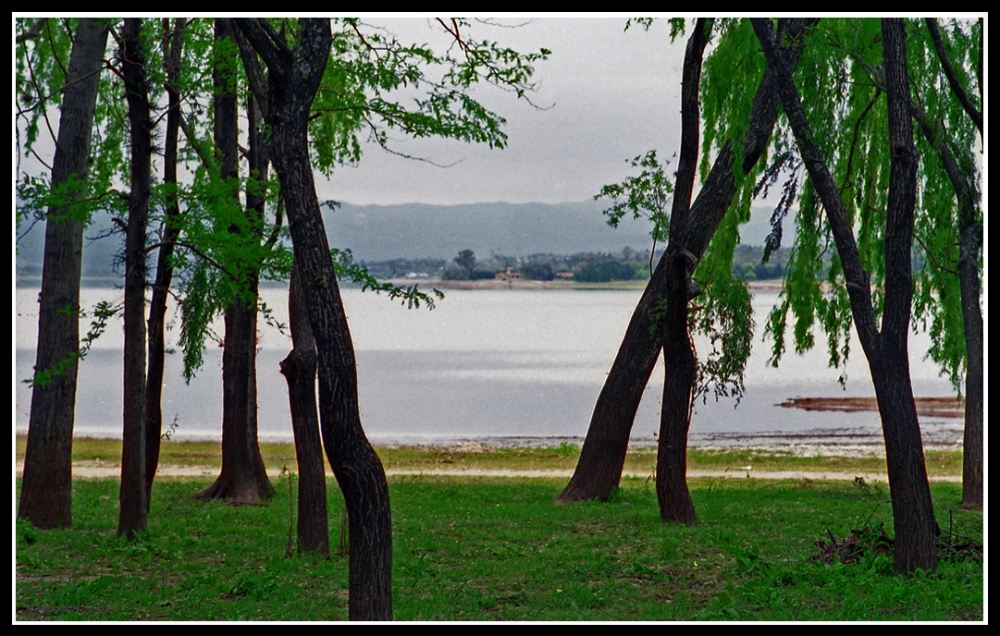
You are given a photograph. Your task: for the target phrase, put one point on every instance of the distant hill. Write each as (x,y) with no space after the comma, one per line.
(384,232)
(377,232)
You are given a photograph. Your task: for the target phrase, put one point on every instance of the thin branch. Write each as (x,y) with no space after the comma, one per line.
(42,100)
(33,32)
(956,87)
(930,254)
(278,219)
(381,142)
(45,114)
(40,160)
(854,138)
(504,26)
(198,252)
(55,54)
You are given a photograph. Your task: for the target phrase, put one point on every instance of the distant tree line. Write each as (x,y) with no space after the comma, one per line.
(591,267)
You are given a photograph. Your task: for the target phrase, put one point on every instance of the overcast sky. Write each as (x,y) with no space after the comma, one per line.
(604,96)
(609,96)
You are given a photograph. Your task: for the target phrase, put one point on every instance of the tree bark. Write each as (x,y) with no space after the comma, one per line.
(299,369)
(243,476)
(679,356)
(969,248)
(603,455)
(164,265)
(46,484)
(132,495)
(886,350)
(972,314)
(294,76)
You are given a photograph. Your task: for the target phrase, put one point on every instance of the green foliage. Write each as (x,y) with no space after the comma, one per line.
(642,196)
(101,313)
(728,322)
(839,78)
(410,296)
(370,70)
(604,271)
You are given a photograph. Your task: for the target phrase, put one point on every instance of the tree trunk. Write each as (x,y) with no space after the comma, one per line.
(886,350)
(969,248)
(164,265)
(972,444)
(678,351)
(603,455)
(47,479)
(243,476)
(293,78)
(132,496)
(675,413)
(299,369)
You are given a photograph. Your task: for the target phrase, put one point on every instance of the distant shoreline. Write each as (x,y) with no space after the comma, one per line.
(497,283)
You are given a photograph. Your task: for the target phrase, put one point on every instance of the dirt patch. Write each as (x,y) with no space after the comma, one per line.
(926,406)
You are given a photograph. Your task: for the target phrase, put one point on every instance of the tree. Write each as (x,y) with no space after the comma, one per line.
(294,76)
(243,476)
(885,348)
(172,45)
(603,455)
(299,64)
(466,259)
(46,485)
(949,137)
(299,369)
(133,505)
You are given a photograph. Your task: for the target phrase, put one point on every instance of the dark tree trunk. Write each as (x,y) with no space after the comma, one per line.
(886,350)
(603,455)
(242,477)
(969,248)
(972,444)
(299,369)
(675,412)
(678,350)
(46,484)
(164,265)
(293,77)
(132,496)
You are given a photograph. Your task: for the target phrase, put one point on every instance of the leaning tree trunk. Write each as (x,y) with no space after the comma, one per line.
(678,351)
(294,76)
(242,477)
(913,513)
(132,497)
(46,484)
(969,248)
(164,266)
(603,455)
(299,369)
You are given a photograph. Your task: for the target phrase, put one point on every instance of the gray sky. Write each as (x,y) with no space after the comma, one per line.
(610,95)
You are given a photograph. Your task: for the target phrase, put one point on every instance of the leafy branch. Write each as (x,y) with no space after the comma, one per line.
(642,196)
(103,311)
(348,270)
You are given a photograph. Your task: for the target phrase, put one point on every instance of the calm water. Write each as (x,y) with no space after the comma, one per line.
(488,365)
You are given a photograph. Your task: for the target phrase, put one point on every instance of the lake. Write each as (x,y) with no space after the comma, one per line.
(493,366)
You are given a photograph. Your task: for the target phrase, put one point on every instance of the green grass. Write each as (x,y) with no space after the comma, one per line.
(564,457)
(497,549)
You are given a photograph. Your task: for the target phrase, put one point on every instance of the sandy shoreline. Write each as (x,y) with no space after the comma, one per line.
(111,470)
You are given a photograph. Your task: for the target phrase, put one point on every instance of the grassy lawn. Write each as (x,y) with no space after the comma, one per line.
(564,457)
(498,549)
